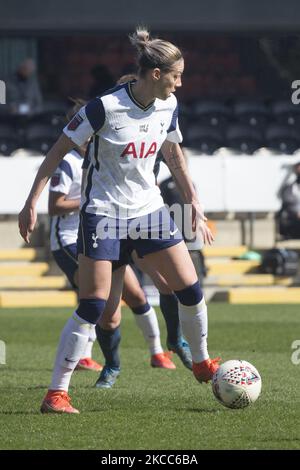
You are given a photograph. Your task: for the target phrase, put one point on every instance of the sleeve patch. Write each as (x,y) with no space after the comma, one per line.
(76,121)
(55,180)
(66,168)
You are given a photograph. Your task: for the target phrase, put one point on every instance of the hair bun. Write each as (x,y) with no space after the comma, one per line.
(140,38)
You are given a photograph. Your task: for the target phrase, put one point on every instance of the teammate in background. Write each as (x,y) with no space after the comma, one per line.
(63,208)
(108,327)
(129,125)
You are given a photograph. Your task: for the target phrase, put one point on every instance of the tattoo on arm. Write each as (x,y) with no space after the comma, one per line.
(175,162)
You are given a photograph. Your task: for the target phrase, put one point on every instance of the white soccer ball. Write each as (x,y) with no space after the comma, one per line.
(236,384)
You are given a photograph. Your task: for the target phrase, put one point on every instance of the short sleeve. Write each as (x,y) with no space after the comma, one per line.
(86,122)
(173,134)
(62,179)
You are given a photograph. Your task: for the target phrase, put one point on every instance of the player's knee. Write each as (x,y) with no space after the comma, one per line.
(191,295)
(91,309)
(109,327)
(135,298)
(109,324)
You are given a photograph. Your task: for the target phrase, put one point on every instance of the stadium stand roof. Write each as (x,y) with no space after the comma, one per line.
(197,15)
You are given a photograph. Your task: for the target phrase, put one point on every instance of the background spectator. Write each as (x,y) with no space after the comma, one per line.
(289,215)
(24,94)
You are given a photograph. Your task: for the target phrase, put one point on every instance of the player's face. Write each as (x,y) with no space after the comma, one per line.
(170,81)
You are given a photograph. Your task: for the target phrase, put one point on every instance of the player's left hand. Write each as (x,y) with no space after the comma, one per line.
(205,232)
(199,223)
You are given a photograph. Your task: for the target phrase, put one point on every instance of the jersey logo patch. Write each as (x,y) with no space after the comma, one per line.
(55,180)
(144,127)
(76,121)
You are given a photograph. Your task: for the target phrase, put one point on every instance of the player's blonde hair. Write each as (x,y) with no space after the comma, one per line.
(153,53)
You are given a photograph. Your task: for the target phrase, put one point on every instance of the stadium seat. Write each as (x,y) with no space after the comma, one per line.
(206,139)
(9,140)
(282,138)
(55,107)
(244,138)
(213,113)
(21,153)
(52,118)
(227,152)
(253,113)
(287,113)
(266,152)
(40,137)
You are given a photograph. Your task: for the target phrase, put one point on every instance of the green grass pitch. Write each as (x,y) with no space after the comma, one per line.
(152,408)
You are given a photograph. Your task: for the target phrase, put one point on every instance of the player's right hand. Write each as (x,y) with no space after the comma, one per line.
(27,221)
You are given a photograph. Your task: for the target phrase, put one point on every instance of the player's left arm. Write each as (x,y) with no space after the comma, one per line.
(176,163)
(58,204)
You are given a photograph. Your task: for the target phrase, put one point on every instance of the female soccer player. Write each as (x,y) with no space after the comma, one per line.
(122,205)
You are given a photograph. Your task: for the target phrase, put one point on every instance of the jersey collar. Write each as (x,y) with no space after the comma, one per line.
(136,102)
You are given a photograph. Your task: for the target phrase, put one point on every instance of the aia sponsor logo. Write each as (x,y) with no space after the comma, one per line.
(139,150)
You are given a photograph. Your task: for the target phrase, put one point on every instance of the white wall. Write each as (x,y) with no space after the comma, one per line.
(224,183)
(239,183)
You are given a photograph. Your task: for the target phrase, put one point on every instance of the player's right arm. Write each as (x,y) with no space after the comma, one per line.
(27,216)
(84,124)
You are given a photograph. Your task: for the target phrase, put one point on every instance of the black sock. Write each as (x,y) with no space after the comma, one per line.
(109,341)
(169,308)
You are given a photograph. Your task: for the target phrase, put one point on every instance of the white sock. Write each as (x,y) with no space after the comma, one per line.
(89,346)
(193,321)
(148,324)
(72,344)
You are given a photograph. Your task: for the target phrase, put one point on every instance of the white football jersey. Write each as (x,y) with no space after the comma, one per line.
(66,180)
(120,181)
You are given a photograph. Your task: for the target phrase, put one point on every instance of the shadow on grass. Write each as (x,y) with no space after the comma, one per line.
(200,410)
(31,369)
(33,412)
(23,387)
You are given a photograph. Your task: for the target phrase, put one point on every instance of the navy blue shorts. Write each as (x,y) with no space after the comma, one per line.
(105,238)
(66,259)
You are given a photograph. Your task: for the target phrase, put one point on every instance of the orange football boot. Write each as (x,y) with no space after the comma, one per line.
(87,363)
(203,371)
(162,360)
(57,401)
